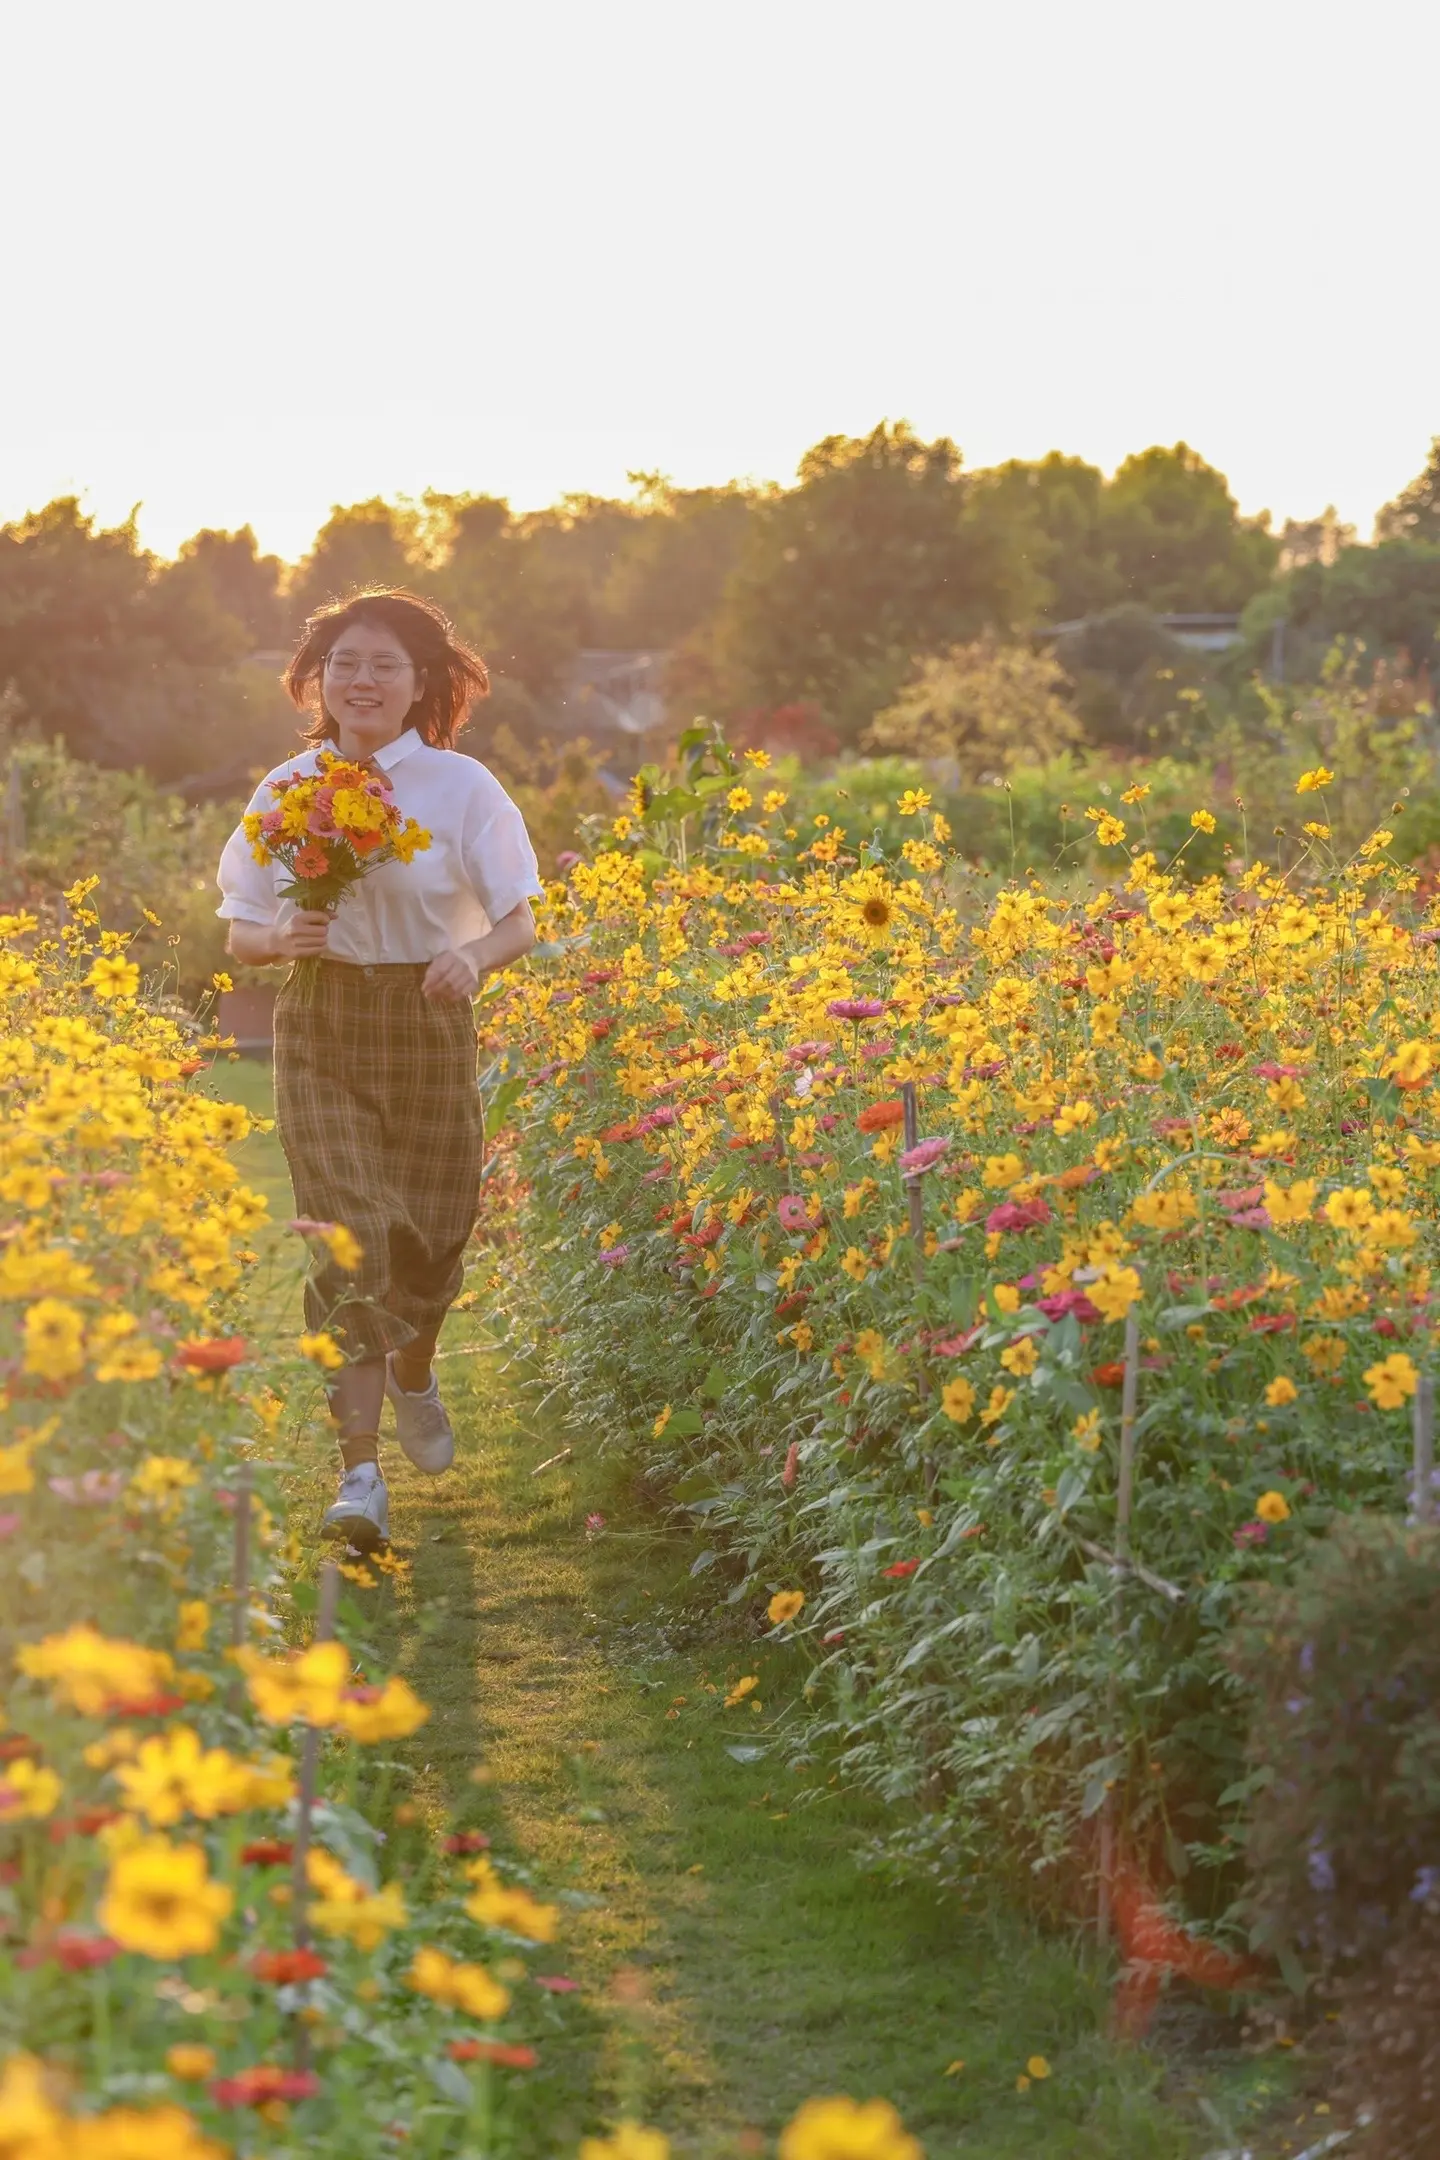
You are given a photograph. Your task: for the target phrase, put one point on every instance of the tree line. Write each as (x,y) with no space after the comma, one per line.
(819,606)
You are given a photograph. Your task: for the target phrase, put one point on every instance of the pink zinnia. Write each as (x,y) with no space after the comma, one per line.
(855,1008)
(923,1156)
(794,1215)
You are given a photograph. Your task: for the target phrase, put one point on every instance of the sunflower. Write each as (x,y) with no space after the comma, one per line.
(876,913)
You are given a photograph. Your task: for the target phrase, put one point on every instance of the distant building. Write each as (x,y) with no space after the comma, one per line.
(612,695)
(1202,633)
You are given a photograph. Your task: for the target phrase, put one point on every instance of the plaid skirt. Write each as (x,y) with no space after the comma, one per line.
(378,1108)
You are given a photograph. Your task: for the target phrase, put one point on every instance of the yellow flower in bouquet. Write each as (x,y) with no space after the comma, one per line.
(329,828)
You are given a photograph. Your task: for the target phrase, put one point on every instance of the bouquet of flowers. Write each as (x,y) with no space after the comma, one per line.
(330,828)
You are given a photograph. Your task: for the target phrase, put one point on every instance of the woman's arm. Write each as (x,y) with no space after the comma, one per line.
(456,975)
(266,945)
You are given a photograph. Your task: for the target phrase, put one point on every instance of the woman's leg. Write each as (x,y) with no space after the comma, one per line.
(413,1365)
(357,1393)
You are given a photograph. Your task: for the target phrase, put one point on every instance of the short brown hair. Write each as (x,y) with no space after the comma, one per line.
(454,675)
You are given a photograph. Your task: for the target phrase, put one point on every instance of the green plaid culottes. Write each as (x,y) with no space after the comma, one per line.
(378,1108)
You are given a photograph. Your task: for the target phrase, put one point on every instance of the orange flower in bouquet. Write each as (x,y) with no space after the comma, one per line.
(330,828)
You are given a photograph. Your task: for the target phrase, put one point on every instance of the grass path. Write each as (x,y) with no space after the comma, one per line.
(734,1955)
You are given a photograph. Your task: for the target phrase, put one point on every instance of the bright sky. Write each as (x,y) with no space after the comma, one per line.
(264,256)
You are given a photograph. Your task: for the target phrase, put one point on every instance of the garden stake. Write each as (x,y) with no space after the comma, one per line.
(1123,1499)
(309,1764)
(1425,1449)
(240,1572)
(914,1200)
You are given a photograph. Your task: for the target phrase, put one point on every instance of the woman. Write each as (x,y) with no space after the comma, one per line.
(377,1103)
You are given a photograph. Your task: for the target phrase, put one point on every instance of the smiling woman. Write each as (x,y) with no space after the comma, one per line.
(376,1098)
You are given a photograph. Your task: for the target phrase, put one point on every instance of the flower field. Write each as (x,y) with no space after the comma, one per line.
(867,1199)
(223,1922)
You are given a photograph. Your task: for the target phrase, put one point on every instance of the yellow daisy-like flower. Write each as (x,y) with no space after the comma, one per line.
(1309,783)
(845,2129)
(957,1400)
(160,1902)
(1273,1507)
(785,1605)
(1392,1381)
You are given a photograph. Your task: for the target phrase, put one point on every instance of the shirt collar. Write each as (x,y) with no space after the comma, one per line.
(390,753)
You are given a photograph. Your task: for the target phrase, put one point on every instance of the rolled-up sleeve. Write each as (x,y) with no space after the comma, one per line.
(247,888)
(499,860)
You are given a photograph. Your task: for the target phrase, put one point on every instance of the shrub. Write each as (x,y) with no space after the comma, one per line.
(1343,1668)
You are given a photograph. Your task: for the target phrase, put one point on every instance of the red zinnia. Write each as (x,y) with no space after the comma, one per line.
(901,1567)
(283,1968)
(876,1116)
(216,1353)
(506,2053)
(262,2082)
(1109,1375)
(268,1852)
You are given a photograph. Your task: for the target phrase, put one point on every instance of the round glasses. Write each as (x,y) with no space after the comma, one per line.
(384,667)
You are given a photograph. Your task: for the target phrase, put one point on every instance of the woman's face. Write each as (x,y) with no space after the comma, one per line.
(369,683)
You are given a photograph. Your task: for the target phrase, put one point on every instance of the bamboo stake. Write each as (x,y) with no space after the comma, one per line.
(1425,1449)
(1124,1500)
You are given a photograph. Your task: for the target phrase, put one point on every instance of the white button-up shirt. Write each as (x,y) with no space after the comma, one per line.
(478,866)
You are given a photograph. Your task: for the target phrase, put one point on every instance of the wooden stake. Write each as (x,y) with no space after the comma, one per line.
(915,1202)
(240,1573)
(1124,1500)
(309,1766)
(310,1762)
(1425,1449)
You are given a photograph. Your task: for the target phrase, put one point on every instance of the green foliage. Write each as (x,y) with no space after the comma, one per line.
(986,707)
(880,553)
(63,817)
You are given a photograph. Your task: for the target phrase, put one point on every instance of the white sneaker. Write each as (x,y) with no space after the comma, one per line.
(361,1512)
(422,1423)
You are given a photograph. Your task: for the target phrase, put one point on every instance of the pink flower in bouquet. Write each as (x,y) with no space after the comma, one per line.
(271,822)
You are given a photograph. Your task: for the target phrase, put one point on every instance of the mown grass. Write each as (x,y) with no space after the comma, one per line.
(734,1952)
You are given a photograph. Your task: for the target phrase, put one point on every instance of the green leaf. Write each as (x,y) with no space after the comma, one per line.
(1386,1099)
(743,1751)
(685,1423)
(499,1105)
(716,1383)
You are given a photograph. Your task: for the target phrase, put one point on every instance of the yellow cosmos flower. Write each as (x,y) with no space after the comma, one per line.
(1202,820)
(1115,1292)
(785,1605)
(629,2141)
(1392,1381)
(395,1712)
(1311,782)
(845,2129)
(160,1902)
(304,1689)
(459,1987)
(1273,1507)
(110,977)
(54,1339)
(364,1920)
(91,1671)
(322,1350)
(1281,1390)
(1020,1357)
(28,1789)
(507,1906)
(1286,1205)
(957,1400)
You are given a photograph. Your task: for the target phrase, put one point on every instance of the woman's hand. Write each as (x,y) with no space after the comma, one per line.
(306,934)
(266,945)
(451,978)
